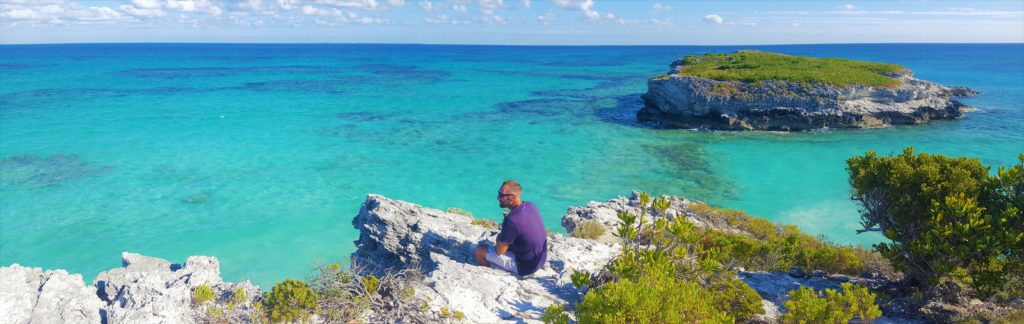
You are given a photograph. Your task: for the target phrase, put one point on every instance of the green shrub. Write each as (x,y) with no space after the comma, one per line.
(485,223)
(736,298)
(290,300)
(654,298)
(754,66)
(459,211)
(588,229)
(942,214)
(555,314)
(372,283)
(202,294)
(580,279)
(807,306)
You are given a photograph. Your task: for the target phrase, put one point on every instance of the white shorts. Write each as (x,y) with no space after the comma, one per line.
(505,262)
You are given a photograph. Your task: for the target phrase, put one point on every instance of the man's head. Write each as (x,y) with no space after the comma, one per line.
(510,194)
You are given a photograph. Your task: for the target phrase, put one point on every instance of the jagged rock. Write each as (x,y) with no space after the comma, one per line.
(396,234)
(693,102)
(153,290)
(30,295)
(818,273)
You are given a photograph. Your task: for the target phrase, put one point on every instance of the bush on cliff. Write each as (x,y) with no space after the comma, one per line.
(807,306)
(653,298)
(290,301)
(588,229)
(347,296)
(943,215)
(766,246)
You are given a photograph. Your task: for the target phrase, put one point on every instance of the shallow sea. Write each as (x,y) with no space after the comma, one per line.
(260,155)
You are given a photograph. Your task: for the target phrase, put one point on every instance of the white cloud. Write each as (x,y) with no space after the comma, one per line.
(251,5)
(354,4)
(314,11)
(742,24)
(713,19)
(609,15)
(397,3)
(25,14)
(428,6)
(489,7)
(660,7)
(526,3)
(848,6)
(586,6)
(141,12)
(194,6)
(146,4)
(440,19)
(460,8)
(288,4)
(796,24)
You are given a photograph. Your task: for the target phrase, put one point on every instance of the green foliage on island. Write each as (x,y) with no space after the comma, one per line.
(807,306)
(555,314)
(753,66)
(588,229)
(485,223)
(946,218)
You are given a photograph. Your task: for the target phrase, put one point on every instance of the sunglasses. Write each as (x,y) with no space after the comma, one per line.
(503,195)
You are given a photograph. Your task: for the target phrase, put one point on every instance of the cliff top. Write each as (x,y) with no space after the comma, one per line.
(753,66)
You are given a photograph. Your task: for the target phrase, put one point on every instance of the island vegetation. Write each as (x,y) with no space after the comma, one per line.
(754,66)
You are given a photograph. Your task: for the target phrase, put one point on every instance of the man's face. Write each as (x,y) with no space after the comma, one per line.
(505,197)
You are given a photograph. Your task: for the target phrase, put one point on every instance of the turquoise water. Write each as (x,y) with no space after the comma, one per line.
(260,155)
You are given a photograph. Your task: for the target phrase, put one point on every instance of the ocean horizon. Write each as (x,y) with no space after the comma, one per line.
(260,154)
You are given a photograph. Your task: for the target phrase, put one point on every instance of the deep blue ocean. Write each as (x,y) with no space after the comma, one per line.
(260,155)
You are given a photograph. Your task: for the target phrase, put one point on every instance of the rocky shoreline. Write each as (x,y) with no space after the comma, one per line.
(393,235)
(679,101)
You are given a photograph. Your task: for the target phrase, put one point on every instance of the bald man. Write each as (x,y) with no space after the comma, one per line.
(522,244)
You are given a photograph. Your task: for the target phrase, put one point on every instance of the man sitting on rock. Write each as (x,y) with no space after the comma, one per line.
(522,244)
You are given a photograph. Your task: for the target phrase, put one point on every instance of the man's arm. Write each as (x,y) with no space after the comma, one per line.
(501,248)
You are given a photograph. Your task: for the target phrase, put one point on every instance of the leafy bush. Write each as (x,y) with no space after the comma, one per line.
(290,300)
(485,223)
(754,66)
(202,294)
(653,298)
(346,296)
(555,314)
(807,306)
(459,211)
(942,214)
(580,279)
(588,229)
(736,298)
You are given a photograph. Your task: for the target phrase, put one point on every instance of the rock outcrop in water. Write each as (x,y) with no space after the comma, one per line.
(681,101)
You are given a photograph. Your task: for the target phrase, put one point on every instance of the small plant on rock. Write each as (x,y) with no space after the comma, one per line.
(459,211)
(588,229)
(555,314)
(290,300)
(202,294)
(485,223)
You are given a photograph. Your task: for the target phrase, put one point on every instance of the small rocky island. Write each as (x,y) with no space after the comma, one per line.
(754,90)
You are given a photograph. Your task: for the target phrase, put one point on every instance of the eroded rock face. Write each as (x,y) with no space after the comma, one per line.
(395,234)
(31,295)
(144,290)
(692,102)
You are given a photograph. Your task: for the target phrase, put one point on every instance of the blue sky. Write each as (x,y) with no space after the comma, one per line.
(533,22)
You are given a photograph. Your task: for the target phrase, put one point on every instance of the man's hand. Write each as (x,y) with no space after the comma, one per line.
(501,248)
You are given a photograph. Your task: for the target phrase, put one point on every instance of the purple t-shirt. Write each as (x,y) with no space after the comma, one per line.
(527,238)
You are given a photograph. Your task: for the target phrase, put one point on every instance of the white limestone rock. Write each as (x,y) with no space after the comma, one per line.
(30,295)
(396,234)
